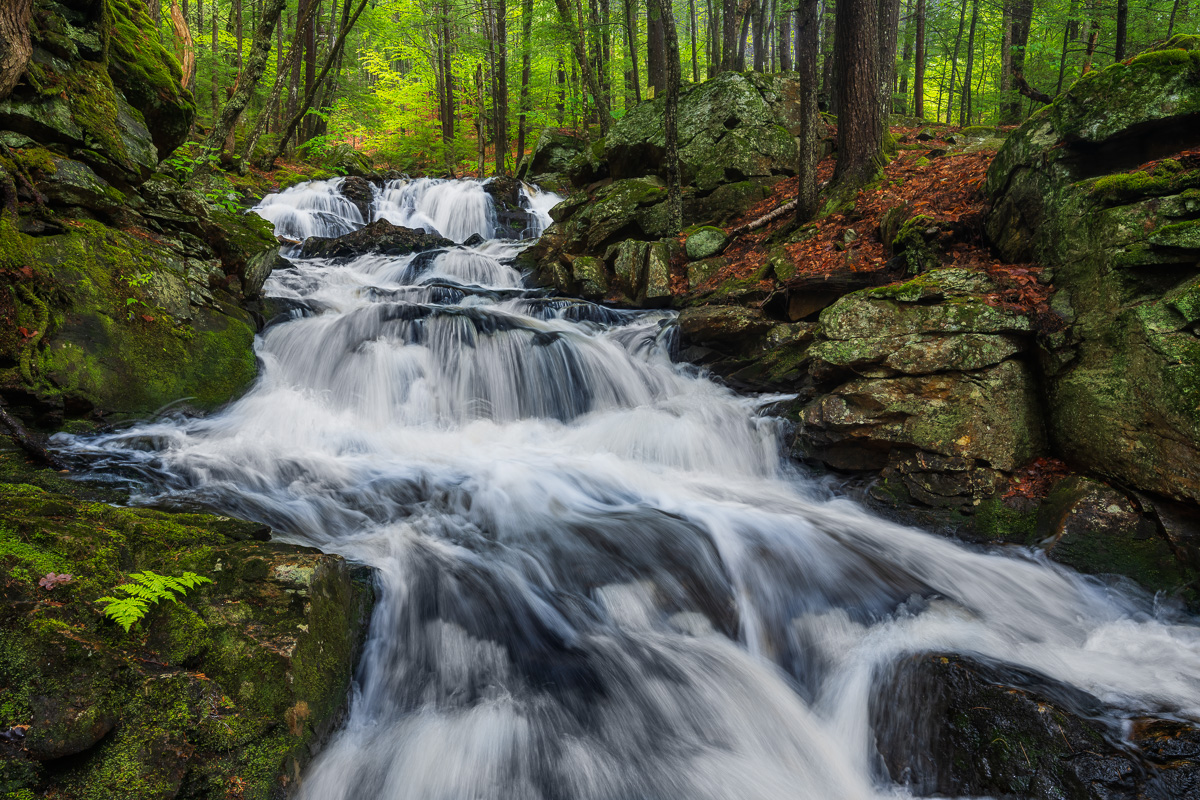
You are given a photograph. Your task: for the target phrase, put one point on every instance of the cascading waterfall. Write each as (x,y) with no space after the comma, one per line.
(597,577)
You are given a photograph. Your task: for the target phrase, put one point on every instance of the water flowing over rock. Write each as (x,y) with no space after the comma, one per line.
(597,575)
(379,236)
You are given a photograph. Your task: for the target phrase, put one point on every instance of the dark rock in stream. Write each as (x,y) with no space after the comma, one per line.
(358,191)
(379,236)
(952,726)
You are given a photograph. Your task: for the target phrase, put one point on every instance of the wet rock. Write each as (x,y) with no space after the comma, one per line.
(951,726)
(1097,529)
(746,348)
(346,160)
(379,236)
(1122,380)
(705,243)
(358,191)
(245,676)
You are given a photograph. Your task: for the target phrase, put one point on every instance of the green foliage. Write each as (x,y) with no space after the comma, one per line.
(146,590)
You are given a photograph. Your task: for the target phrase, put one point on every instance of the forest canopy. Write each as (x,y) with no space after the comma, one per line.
(466,86)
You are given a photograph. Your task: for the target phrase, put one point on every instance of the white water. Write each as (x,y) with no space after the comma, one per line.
(597,577)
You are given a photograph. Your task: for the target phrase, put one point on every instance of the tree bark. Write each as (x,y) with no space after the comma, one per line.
(785,40)
(964,117)
(906,57)
(889,27)
(692,34)
(1022,18)
(656,61)
(962,19)
(480,121)
(919,63)
(568,21)
(807,47)
(308,98)
(500,87)
(1122,28)
(729,31)
(828,16)
(233,109)
(526,68)
(671,116)
(635,87)
(758,26)
(860,129)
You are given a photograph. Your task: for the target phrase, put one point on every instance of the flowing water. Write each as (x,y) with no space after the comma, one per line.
(597,576)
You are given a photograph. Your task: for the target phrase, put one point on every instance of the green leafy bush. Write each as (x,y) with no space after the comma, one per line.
(146,590)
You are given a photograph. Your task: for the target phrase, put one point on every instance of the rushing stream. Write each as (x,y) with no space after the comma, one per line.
(597,575)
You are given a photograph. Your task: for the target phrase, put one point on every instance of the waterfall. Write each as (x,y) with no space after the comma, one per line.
(598,578)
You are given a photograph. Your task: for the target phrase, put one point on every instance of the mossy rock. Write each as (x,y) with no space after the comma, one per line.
(705,242)
(233,686)
(118,324)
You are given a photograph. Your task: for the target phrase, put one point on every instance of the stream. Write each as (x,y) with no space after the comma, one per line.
(598,575)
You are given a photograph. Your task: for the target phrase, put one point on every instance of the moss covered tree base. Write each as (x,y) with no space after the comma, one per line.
(224,694)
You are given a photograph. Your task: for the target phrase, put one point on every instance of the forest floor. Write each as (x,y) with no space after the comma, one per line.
(935,178)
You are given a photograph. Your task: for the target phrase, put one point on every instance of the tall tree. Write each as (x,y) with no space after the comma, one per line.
(568,22)
(526,56)
(1122,28)
(964,117)
(500,85)
(807,47)
(671,116)
(729,31)
(860,127)
(889,25)
(232,112)
(962,18)
(1022,19)
(656,58)
(785,38)
(633,85)
(919,63)
(294,122)
(692,34)
(906,57)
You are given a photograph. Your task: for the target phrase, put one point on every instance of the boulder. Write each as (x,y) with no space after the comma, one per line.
(379,236)
(552,153)
(705,242)
(1123,380)
(746,348)
(359,191)
(245,676)
(731,128)
(1098,530)
(346,160)
(946,725)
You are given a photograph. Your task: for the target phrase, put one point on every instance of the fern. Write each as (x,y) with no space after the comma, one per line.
(146,590)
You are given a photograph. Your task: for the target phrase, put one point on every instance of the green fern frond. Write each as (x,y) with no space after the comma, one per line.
(147,588)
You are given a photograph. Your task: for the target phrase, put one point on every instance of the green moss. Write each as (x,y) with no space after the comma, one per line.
(996,521)
(913,243)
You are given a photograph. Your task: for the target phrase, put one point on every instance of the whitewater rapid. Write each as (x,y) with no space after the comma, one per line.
(597,576)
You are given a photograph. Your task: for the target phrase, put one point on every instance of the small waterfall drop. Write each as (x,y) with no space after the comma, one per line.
(597,577)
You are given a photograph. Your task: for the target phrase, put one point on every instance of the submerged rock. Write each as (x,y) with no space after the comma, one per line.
(379,236)
(947,725)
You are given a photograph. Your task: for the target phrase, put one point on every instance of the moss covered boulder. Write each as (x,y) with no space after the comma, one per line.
(940,395)
(1124,378)
(731,128)
(225,693)
(101,321)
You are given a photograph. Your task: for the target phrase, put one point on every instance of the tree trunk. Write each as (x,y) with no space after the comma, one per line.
(807,46)
(281,76)
(860,129)
(744,14)
(671,116)
(216,54)
(561,106)
(1022,18)
(526,56)
(729,31)
(259,50)
(692,34)
(962,19)
(500,86)
(568,21)
(480,121)
(965,112)
(631,18)
(758,24)
(714,38)
(310,69)
(785,40)
(906,57)
(889,26)
(1170,25)
(919,63)
(828,17)
(190,78)
(320,78)
(1093,37)
(1122,28)
(656,62)
(15,44)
